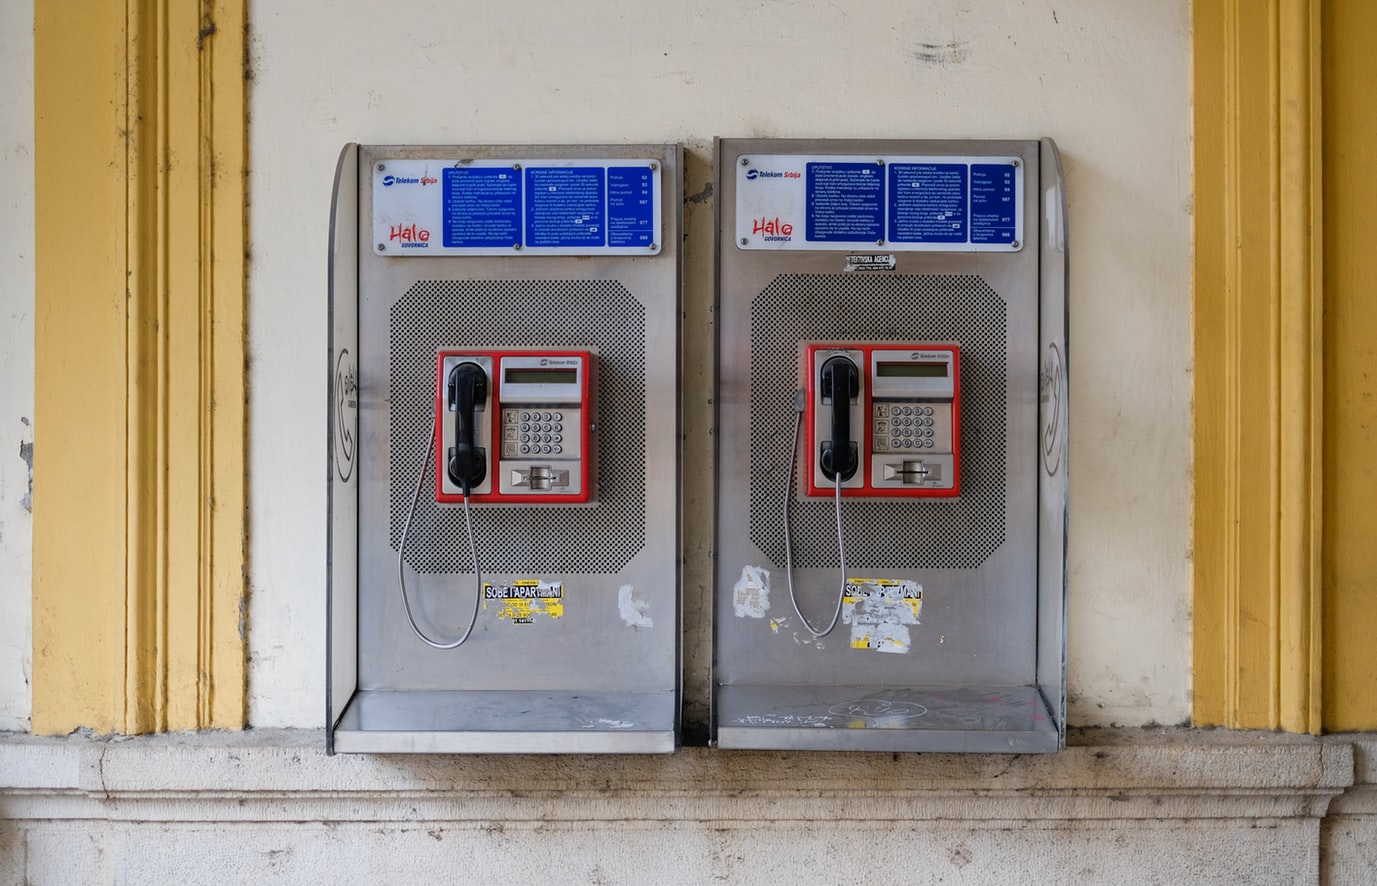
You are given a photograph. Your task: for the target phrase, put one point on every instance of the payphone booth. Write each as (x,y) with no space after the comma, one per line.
(891,533)
(504,450)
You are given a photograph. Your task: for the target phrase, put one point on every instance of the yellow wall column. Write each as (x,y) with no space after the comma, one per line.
(1258,371)
(139,442)
(1350,329)
(1286,372)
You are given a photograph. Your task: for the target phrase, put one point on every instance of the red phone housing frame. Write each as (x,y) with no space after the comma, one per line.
(866,490)
(494,442)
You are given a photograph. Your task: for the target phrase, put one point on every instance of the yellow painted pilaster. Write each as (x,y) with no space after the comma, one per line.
(139,343)
(1258,364)
(1350,134)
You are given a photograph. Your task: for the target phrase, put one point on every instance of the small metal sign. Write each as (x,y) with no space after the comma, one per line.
(903,203)
(515,207)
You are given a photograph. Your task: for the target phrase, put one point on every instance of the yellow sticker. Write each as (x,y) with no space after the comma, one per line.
(880,610)
(521,601)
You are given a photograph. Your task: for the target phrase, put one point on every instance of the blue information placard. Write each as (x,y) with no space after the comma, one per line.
(481,207)
(992,203)
(630,206)
(845,202)
(928,202)
(565,206)
(517,206)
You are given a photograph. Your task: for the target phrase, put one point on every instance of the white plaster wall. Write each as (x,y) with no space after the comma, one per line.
(16,362)
(1109,81)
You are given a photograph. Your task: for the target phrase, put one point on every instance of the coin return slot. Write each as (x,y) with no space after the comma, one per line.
(540,477)
(913,472)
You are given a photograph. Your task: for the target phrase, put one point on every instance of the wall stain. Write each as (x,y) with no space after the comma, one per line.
(943,54)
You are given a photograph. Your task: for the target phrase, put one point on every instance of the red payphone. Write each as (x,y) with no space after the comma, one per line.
(882,420)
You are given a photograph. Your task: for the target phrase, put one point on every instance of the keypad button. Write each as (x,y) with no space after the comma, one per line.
(558,449)
(559,416)
(525,438)
(525,449)
(558,438)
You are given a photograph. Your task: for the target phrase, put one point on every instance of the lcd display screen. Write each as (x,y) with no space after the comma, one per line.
(536,376)
(912,370)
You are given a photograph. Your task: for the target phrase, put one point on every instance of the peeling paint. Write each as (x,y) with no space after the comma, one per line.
(702,196)
(633,606)
(605,723)
(880,610)
(26,453)
(751,594)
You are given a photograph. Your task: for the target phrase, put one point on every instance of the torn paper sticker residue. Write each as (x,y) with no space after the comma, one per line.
(880,610)
(633,607)
(751,596)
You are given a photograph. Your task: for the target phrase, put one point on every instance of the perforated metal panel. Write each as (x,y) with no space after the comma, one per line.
(976,666)
(957,534)
(600,314)
(593,665)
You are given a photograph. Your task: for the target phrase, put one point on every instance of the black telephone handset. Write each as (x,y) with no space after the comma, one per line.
(841,382)
(468,388)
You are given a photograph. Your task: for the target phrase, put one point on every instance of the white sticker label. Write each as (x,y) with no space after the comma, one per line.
(751,595)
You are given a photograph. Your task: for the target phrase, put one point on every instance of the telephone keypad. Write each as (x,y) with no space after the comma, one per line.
(530,432)
(904,426)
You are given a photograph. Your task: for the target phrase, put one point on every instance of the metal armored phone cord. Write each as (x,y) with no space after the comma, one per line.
(788,547)
(473,551)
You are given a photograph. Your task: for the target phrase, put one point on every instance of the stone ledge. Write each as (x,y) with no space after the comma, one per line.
(262,775)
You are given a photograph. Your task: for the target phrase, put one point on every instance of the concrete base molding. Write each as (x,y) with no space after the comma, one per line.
(1116,806)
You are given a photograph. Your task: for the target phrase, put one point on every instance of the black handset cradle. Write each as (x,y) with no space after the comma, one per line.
(841,384)
(467,390)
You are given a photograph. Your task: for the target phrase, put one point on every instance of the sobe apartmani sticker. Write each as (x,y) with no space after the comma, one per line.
(879,611)
(522,601)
